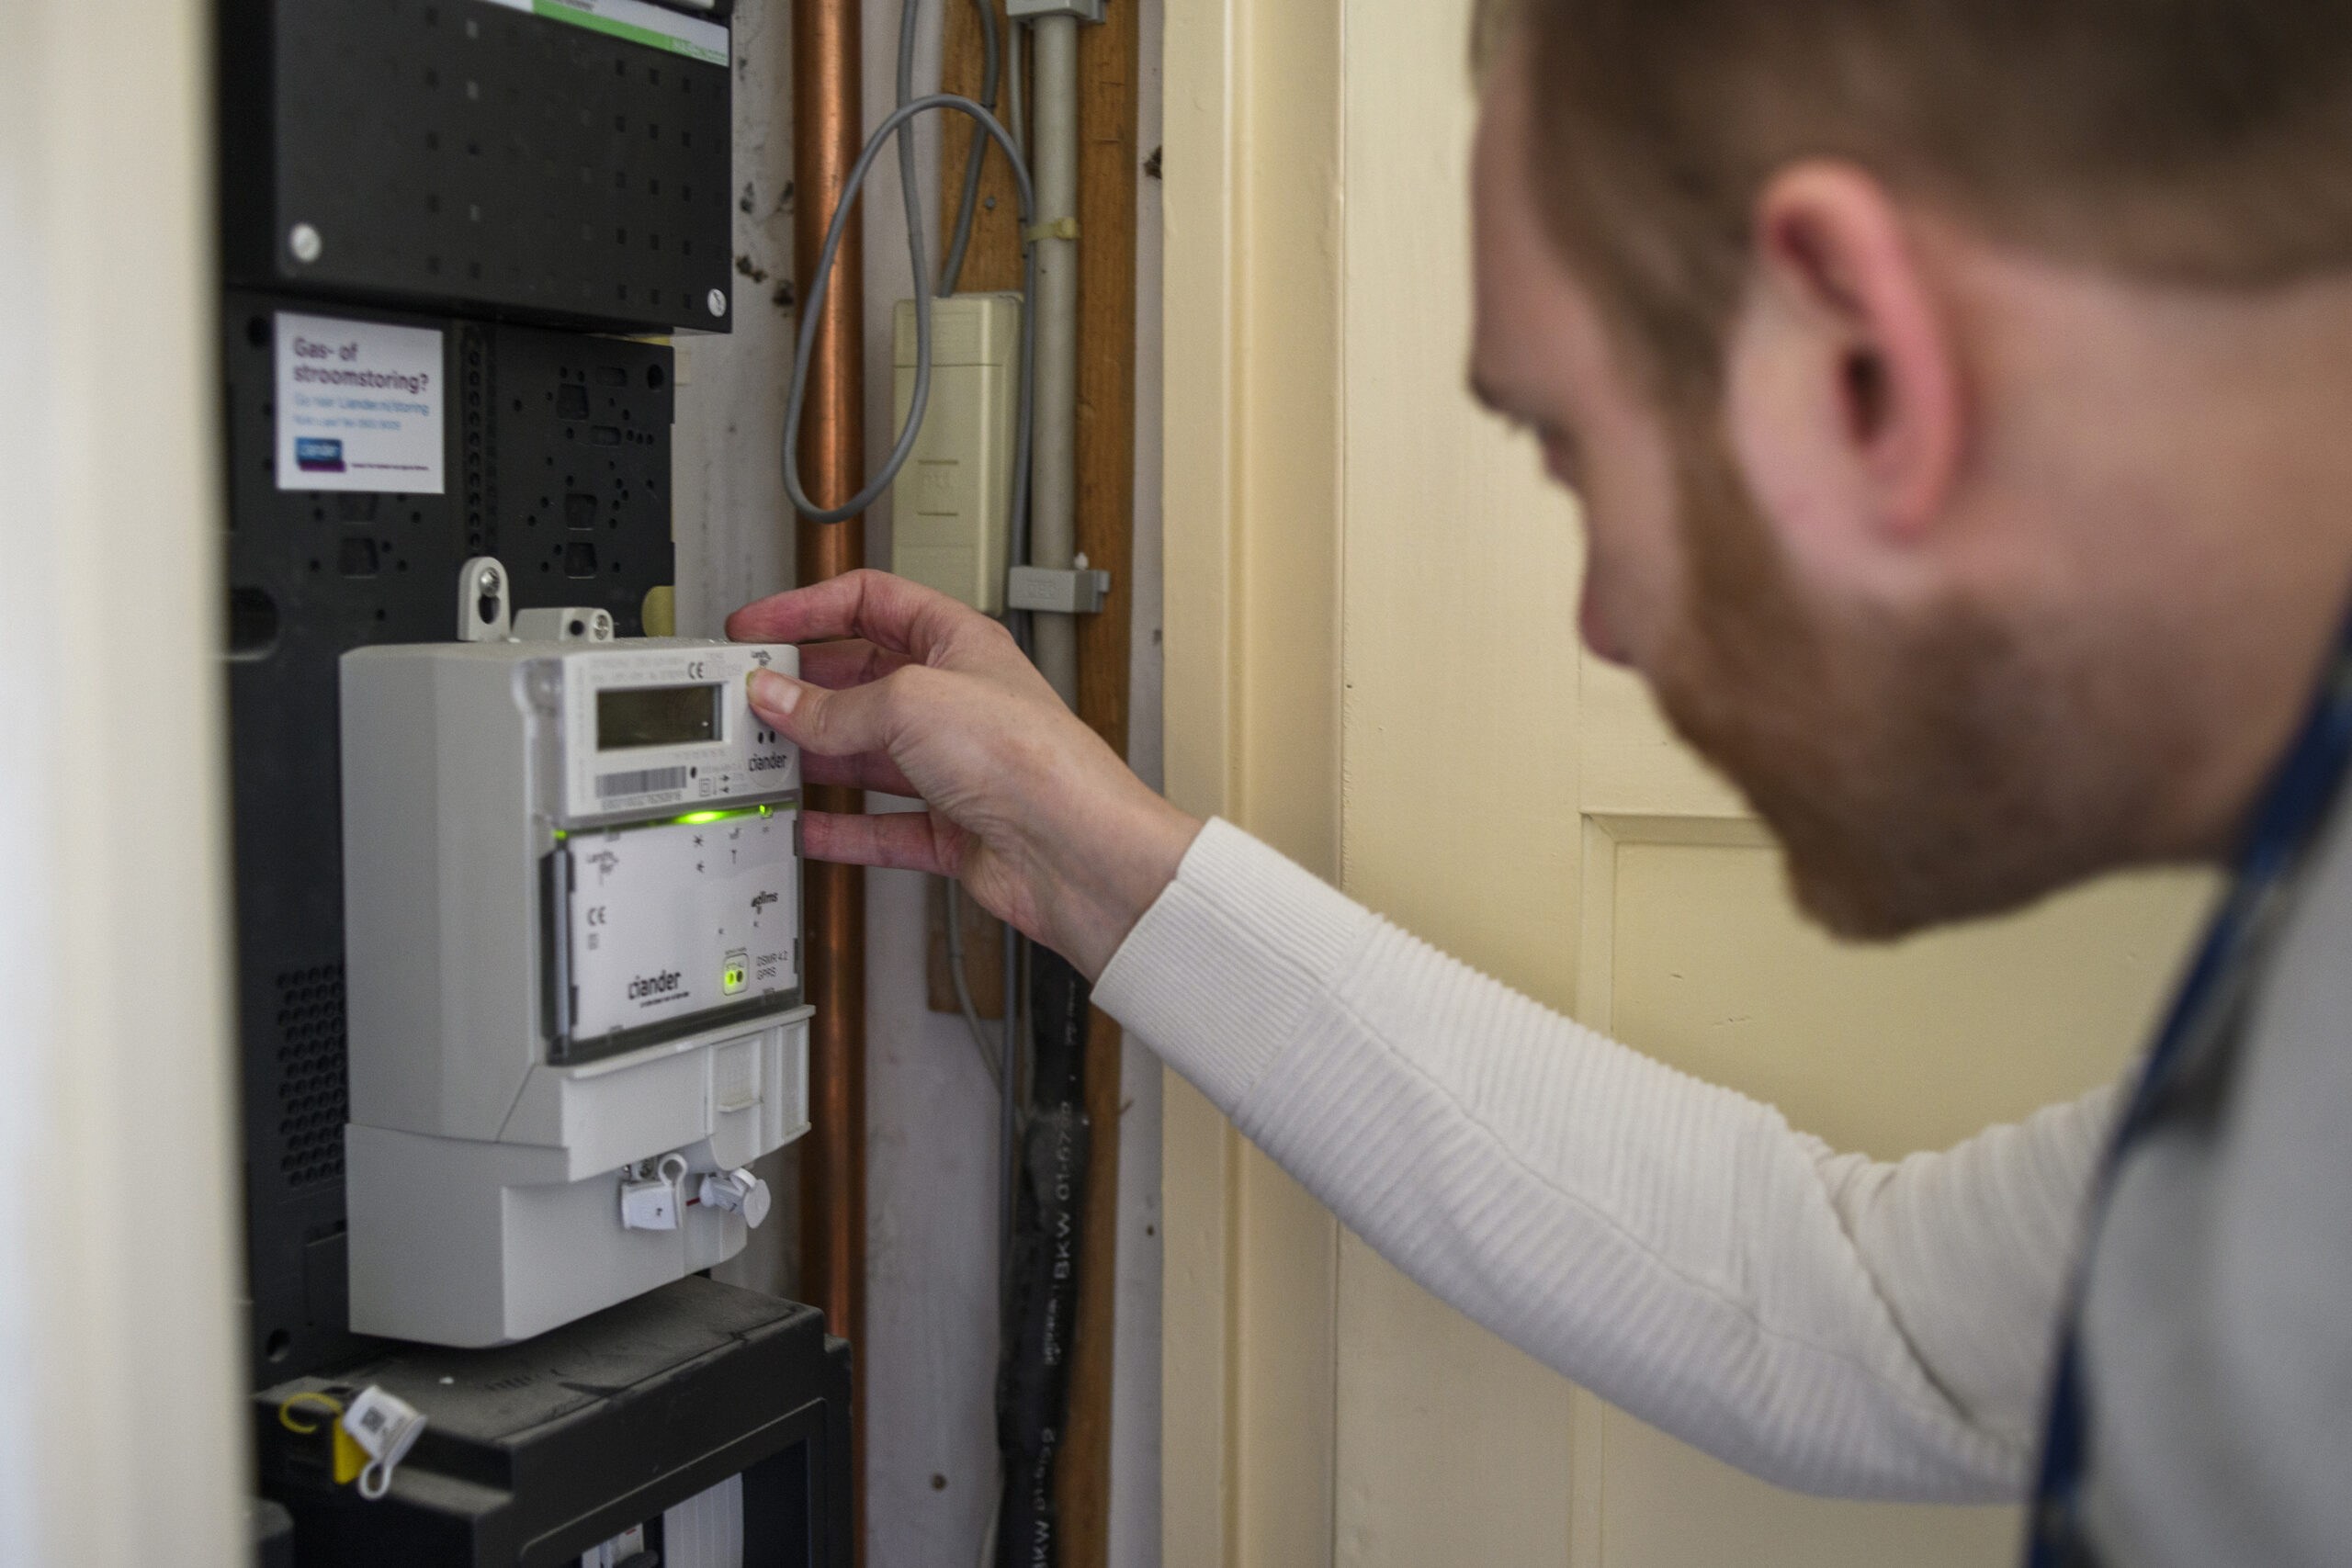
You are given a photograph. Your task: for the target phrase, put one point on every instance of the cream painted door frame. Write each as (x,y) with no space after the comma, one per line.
(1251,442)
(123,1426)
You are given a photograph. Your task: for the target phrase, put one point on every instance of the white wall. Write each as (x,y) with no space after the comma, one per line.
(930,1196)
(930,1356)
(122,1438)
(1134,1378)
(733,529)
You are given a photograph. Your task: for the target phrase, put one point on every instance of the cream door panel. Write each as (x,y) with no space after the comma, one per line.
(1454,1448)
(1671,1506)
(1693,952)
(1632,762)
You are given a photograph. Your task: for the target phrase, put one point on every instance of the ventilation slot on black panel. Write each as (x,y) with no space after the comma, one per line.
(481,442)
(313,1095)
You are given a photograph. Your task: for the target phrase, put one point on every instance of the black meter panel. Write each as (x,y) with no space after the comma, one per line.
(370,453)
(565,161)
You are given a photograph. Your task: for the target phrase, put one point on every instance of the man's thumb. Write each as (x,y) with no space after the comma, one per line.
(774,694)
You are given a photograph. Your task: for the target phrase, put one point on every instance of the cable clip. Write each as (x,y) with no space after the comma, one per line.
(1072,592)
(1053,229)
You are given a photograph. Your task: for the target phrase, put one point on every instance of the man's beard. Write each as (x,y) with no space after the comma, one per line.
(1916,768)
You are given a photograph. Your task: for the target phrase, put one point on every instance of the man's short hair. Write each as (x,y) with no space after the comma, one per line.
(2200,141)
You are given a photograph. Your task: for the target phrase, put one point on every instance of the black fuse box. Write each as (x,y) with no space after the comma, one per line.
(566,163)
(534,1453)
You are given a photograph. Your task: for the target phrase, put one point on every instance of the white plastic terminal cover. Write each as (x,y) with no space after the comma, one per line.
(666,921)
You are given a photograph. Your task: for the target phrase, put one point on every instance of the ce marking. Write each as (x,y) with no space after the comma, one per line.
(598,916)
(695,670)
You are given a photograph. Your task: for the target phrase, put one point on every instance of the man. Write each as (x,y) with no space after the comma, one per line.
(1956,389)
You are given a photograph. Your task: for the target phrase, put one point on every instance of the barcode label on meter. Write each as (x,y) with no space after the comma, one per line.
(645,781)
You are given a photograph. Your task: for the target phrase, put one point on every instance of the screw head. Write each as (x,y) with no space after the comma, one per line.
(488,581)
(717,301)
(304,241)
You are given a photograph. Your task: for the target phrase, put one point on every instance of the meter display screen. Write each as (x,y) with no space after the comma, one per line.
(656,715)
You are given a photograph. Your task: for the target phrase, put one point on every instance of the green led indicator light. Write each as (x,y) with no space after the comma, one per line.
(695,818)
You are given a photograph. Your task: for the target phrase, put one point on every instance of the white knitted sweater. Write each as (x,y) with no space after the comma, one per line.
(1822,1320)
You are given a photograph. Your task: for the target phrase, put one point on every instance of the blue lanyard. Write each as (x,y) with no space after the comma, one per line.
(2205,1016)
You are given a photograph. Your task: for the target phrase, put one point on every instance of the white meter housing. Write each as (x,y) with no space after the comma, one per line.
(572,904)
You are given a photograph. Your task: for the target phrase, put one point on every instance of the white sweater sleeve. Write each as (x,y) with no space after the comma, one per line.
(1824,1322)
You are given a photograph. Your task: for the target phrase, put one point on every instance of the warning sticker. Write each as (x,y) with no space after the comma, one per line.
(359,406)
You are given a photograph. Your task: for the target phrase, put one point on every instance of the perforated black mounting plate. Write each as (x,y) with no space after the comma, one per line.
(464,155)
(556,453)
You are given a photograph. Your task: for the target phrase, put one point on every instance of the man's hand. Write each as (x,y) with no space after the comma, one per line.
(905,690)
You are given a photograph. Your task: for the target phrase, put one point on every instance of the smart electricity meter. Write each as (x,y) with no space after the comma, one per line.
(572,895)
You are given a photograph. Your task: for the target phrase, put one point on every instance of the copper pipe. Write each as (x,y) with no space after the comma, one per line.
(826,132)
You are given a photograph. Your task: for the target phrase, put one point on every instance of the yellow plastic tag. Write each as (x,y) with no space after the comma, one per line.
(350,1459)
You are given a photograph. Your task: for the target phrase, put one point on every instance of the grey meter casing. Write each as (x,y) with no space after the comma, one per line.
(572,937)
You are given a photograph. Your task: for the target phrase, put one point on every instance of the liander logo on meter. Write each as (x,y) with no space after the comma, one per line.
(655,986)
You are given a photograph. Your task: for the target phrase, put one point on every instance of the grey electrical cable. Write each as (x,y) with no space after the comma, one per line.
(1018,125)
(951,271)
(803,352)
(963,984)
(909,12)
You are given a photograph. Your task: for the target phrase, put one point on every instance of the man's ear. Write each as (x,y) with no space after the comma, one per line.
(1843,389)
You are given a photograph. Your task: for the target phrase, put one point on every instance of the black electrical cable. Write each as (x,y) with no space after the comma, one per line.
(1009,1123)
(1033,1377)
